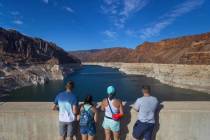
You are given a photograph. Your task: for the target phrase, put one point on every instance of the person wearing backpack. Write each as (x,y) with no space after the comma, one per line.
(113,112)
(88,118)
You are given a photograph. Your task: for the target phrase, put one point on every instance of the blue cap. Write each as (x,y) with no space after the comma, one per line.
(110,90)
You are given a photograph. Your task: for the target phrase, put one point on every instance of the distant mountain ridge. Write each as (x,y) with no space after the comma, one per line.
(116,54)
(193,49)
(16,48)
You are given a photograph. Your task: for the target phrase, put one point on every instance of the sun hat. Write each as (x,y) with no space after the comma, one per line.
(110,90)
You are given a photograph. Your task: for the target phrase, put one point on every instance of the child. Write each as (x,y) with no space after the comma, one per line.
(88,119)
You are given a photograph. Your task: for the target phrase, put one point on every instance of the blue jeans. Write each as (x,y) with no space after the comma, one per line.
(143,129)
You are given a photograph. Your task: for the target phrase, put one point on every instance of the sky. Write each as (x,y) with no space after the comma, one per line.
(95,24)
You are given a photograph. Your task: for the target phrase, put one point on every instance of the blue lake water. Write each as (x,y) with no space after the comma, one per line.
(94,80)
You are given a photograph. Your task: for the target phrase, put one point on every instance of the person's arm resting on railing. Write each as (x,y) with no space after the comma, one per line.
(121,109)
(103,105)
(95,114)
(55,105)
(136,105)
(75,108)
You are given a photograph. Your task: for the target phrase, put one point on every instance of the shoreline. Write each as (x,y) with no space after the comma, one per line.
(34,75)
(194,77)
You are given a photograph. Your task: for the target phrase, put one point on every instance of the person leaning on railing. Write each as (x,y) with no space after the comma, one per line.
(113,113)
(88,118)
(67,104)
(146,107)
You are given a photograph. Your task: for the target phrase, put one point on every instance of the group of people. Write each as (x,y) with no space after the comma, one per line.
(70,113)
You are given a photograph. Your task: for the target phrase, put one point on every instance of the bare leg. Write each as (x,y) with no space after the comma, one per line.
(116,135)
(70,138)
(107,134)
(133,138)
(62,138)
(91,137)
(84,137)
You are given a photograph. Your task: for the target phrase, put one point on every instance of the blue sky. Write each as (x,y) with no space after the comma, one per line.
(94,24)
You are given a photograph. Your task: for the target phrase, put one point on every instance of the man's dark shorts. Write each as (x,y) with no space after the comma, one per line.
(67,129)
(144,130)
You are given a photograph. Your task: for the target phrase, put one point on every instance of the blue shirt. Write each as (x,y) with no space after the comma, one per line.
(146,106)
(65,101)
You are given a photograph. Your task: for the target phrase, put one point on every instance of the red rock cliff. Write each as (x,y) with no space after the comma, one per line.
(194,49)
(20,49)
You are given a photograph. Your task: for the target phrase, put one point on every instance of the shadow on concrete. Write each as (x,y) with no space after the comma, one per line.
(157,124)
(124,130)
(77,135)
(100,135)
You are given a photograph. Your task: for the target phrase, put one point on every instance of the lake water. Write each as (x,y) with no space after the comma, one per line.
(94,80)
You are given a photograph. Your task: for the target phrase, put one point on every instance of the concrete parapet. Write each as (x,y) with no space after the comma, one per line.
(36,121)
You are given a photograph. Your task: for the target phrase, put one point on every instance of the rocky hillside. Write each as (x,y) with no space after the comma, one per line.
(16,48)
(194,49)
(103,55)
(26,61)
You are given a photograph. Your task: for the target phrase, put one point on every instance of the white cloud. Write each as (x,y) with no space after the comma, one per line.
(110,34)
(109,2)
(131,6)
(46,1)
(170,17)
(110,7)
(131,33)
(18,22)
(15,13)
(69,9)
(120,10)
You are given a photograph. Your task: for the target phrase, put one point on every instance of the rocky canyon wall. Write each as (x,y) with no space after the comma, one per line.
(28,61)
(195,77)
(17,77)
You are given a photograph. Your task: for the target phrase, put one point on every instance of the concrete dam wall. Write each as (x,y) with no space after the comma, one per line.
(36,121)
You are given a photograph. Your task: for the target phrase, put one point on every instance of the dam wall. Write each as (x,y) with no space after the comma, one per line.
(195,77)
(36,121)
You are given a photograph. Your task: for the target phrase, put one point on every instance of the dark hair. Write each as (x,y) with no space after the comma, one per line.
(70,85)
(146,88)
(88,100)
(111,96)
